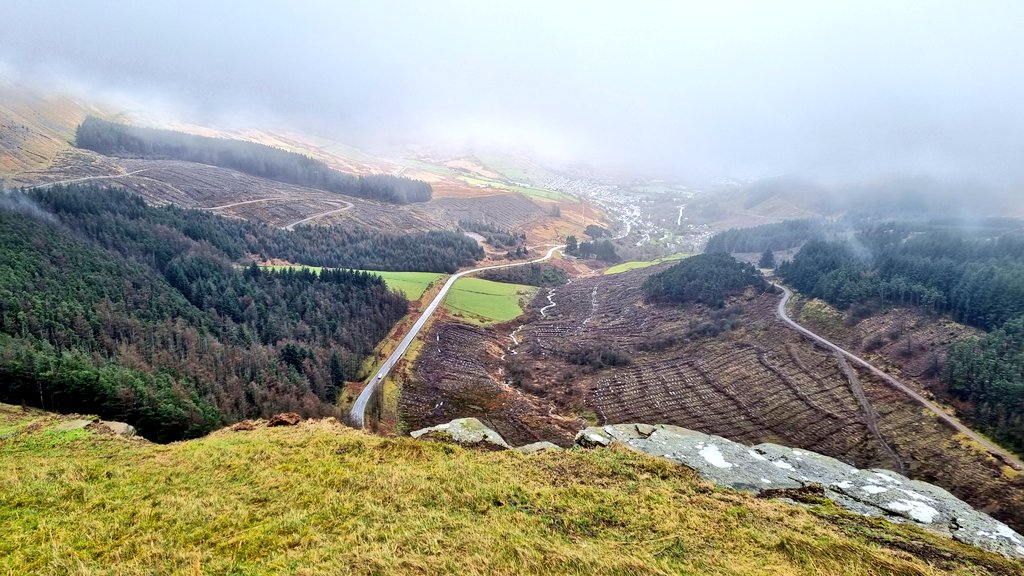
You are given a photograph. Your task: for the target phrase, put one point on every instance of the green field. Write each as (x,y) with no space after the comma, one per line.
(535,192)
(506,166)
(412,285)
(485,302)
(625,266)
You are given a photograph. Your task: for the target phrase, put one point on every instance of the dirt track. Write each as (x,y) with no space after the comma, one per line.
(946,419)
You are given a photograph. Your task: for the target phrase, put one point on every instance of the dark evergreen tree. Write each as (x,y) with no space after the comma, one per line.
(706,279)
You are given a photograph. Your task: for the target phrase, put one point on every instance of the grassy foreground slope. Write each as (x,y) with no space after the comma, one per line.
(319,498)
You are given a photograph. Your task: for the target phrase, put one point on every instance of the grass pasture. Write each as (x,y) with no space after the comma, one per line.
(485,302)
(412,285)
(633,265)
(528,191)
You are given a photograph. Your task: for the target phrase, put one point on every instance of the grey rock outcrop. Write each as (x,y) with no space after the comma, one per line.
(872,492)
(466,432)
(119,428)
(535,447)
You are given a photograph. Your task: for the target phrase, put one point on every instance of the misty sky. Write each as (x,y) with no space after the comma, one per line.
(695,89)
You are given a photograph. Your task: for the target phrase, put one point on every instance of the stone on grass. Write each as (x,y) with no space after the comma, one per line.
(118,428)
(72,425)
(465,432)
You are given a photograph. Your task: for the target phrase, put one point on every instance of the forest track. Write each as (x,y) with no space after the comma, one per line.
(318,216)
(870,416)
(996,451)
(232,205)
(87,178)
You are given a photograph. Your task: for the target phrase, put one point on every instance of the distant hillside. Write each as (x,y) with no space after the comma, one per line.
(115,139)
(35,128)
(319,498)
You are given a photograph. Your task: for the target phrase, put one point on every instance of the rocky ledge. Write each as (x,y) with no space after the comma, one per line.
(773,470)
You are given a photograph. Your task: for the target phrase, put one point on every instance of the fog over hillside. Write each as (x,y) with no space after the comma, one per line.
(685,89)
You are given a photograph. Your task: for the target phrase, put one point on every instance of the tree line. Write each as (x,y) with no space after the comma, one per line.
(116,139)
(600,249)
(707,279)
(493,235)
(977,279)
(539,274)
(338,246)
(775,236)
(149,314)
(988,372)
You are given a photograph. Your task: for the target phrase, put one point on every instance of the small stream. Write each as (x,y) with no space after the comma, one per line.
(513,349)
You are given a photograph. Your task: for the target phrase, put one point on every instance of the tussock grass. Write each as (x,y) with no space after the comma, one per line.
(319,498)
(821,313)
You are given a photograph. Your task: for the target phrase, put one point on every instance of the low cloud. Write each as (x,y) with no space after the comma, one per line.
(688,90)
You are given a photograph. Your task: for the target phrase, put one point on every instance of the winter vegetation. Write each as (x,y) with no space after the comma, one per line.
(544,275)
(975,275)
(411,285)
(634,264)
(493,235)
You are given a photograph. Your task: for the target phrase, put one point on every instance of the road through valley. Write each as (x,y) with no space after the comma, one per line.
(947,419)
(358,411)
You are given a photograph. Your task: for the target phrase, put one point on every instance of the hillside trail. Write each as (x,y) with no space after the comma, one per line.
(292,226)
(243,203)
(870,416)
(993,449)
(87,178)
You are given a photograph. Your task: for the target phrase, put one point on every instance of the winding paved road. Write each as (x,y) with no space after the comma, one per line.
(951,421)
(358,412)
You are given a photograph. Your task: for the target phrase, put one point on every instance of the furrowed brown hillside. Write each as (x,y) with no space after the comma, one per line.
(736,372)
